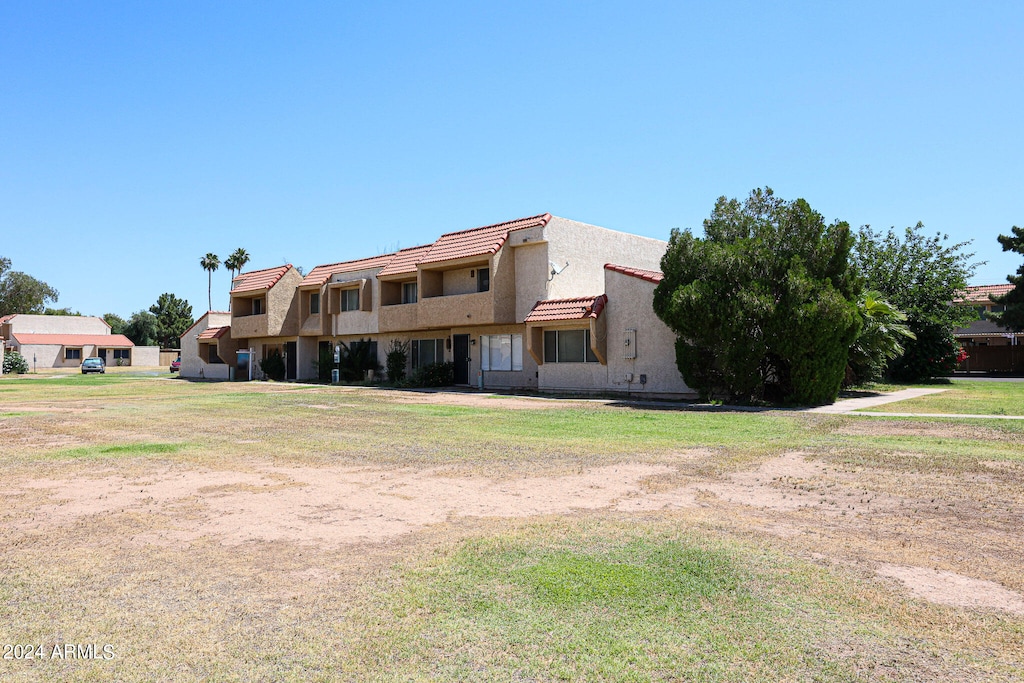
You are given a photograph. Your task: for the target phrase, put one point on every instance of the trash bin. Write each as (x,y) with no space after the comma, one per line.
(335,376)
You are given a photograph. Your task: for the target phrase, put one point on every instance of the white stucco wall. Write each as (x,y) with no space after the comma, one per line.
(144,356)
(58,324)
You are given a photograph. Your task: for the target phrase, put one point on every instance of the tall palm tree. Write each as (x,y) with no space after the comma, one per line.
(236,261)
(210,263)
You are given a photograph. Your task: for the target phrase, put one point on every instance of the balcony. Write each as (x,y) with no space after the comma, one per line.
(247,326)
(455,310)
(398,317)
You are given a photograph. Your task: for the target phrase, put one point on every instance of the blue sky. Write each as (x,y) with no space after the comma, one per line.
(135,137)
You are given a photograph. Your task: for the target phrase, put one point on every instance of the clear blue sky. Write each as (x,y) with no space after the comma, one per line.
(137,136)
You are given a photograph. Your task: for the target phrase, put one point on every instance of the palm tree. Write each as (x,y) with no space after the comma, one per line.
(236,261)
(210,263)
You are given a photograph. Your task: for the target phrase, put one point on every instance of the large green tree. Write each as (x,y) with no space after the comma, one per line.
(920,275)
(116,322)
(173,317)
(142,329)
(764,305)
(1013,316)
(22,293)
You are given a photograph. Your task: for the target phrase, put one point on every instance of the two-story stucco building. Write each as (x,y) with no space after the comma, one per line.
(541,302)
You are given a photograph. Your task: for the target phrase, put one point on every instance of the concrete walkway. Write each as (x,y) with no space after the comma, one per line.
(849,405)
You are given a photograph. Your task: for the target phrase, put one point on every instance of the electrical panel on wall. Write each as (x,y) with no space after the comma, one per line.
(630,345)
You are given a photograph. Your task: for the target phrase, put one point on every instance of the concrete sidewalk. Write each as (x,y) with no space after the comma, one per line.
(849,405)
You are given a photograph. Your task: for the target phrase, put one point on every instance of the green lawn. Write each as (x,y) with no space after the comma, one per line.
(965,397)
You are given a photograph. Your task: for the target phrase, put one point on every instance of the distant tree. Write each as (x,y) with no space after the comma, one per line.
(239,257)
(21,293)
(116,322)
(142,329)
(920,276)
(1013,317)
(173,317)
(210,263)
(764,305)
(61,311)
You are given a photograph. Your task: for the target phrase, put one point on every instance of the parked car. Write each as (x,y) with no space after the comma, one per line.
(94,364)
(176,364)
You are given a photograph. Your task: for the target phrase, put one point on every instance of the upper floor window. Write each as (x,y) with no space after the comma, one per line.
(350,300)
(410,292)
(314,303)
(568,346)
(483,279)
(257,307)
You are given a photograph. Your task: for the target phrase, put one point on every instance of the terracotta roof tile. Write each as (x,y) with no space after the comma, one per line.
(322,274)
(649,275)
(259,279)
(113,341)
(7,318)
(580,308)
(478,241)
(214,332)
(979,294)
(405,261)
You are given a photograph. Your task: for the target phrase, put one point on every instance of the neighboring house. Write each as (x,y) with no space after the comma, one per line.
(527,304)
(990,348)
(64,341)
(200,347)
(984,332)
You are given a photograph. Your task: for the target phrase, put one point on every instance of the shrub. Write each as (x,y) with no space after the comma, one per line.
(273,366)
(398,356)
(356,359)
(325,363)
(15,363)
(433,375)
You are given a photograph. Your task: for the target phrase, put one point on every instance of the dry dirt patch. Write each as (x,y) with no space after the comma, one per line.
(950,588)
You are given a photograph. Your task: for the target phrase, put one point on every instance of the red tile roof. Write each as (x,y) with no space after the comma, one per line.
(649,275)
(259,279)
(113,341)
(6,318)
(979,294)
(322,274)
(579,308)
(478,241)
(405,261)
(214,332)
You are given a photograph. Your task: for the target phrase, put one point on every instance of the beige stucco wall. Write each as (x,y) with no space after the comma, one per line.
(58,324)
(362,321)
(2,348)
(144,356)
(282,316)
(586,248)
(192,366)
(630,307)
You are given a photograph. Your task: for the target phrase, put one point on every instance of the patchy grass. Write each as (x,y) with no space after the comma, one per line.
(965,397)
(707,589)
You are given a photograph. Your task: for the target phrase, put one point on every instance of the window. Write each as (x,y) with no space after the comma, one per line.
(72,354)
(427,351)
(410,292)
(122,354)
(212,356)
(483,279)
(568,346)
(501,352)
(314,303)
(350,300)
(257,307)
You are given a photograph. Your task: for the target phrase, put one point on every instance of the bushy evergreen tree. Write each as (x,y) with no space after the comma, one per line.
(1013,316)
(764,305)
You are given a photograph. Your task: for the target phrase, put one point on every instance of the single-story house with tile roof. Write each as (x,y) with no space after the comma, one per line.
(989,347)
(64,341)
